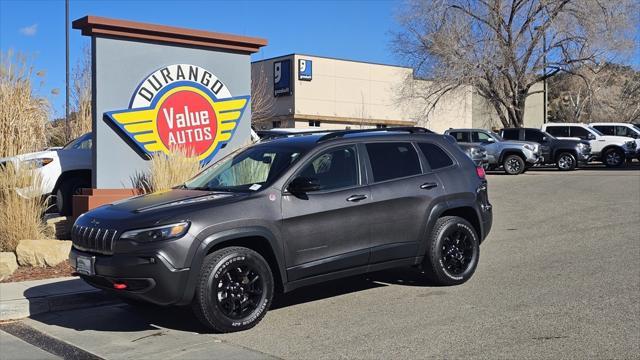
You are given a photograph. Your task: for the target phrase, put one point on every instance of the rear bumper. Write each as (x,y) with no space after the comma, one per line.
(149,277)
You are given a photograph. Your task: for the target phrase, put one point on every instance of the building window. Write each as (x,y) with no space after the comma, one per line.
(314,123)
(275,124)
(381,126)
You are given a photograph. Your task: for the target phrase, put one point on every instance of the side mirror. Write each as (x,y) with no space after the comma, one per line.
(303,185)
(591,137)
(490,140)
(545,139)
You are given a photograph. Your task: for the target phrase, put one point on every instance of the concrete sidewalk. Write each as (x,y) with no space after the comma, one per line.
(26,298)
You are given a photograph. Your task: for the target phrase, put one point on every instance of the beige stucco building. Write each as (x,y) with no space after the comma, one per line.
(314,91)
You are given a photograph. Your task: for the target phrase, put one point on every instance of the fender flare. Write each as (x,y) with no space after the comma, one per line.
(215,239)
(438,210)
(504,153)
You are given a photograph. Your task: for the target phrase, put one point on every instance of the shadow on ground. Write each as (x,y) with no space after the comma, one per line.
(134,317)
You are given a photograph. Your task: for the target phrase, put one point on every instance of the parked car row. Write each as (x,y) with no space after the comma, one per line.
(565,145)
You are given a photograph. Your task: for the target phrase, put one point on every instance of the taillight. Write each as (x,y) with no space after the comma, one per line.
(480,172)
(119,286)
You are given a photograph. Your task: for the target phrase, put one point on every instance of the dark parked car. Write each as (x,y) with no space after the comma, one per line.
(564,153)
(287,213)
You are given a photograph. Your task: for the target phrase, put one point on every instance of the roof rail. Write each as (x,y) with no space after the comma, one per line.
(409,129)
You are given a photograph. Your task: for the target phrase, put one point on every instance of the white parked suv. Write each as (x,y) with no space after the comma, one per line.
(64,170)
(620,129)
(611,150)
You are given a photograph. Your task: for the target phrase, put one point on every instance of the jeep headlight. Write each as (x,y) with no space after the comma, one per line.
(158,233)
(37,163)
(630,144)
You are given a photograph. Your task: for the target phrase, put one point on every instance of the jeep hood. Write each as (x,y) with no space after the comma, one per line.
(165,200)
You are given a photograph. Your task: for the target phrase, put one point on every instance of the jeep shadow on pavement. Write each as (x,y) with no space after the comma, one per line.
(288,213)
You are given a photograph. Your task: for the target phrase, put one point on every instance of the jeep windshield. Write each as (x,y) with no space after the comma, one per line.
(249,170)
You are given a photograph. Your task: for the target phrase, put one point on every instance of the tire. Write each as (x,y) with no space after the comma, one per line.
(513,165)
(448,262)
(613,158)
(241,276)
(64,193)
(566,161)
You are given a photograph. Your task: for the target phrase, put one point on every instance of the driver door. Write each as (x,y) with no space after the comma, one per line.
(327,230)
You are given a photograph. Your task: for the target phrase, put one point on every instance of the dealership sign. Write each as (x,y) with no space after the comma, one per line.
(179,106)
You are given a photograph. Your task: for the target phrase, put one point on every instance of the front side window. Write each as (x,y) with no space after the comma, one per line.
(625,131)
(480,137)
(249,170)
(436,157)
(558,131)
(393,160)
(334,169)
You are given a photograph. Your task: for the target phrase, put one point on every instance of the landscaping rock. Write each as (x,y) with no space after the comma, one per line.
(58,226)
(8,264)
(42,252)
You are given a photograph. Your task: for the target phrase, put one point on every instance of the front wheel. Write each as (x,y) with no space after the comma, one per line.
(566,161)
(453,252)
(513,165)
(613,158)
(234,291)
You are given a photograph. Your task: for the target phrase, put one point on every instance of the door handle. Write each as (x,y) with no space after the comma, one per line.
(356,198)
(428,185)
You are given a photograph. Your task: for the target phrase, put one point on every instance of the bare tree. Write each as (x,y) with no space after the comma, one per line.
(81,120)
(503,47)
(262,99)
(605,92)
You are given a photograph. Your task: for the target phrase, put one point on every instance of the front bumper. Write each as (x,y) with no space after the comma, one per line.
(149,277)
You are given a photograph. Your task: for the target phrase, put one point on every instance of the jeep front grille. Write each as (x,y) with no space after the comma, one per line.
(93,239)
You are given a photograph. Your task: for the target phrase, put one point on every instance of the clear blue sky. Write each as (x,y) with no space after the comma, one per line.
(358,30)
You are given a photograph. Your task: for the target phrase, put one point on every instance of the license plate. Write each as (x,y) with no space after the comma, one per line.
(84,265)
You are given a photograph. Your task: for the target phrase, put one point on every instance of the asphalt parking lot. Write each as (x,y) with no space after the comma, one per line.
(559,276)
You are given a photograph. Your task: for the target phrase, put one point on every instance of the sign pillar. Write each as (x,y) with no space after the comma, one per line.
(157,88)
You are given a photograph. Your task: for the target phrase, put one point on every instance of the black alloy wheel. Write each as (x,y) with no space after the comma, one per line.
(457,252)
(239,291)
(234,291)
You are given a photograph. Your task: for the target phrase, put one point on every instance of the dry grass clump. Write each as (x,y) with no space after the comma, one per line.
(22,206)
(23,115)
(167,171)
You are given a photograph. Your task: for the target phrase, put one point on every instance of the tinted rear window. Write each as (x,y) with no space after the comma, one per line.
(533,135)
(393,160)
(436,157)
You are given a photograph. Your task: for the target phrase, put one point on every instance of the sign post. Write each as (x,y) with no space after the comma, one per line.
(157,88)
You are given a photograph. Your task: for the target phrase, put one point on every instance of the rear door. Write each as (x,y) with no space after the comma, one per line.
(328,230)
(401,193)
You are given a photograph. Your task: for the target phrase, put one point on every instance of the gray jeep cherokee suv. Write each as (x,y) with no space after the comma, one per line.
(288,213)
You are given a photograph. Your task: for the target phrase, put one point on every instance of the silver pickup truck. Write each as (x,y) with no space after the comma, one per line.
(515,157)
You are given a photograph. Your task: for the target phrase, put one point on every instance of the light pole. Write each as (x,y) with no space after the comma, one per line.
(544,72)
(66,92)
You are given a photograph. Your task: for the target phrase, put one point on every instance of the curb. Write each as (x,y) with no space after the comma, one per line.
(14,309)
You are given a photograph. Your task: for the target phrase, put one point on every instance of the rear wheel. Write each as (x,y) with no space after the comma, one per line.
(513,165)
(453,252)
(64,193)
(566,161)
(234,291)
(613,158)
